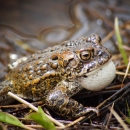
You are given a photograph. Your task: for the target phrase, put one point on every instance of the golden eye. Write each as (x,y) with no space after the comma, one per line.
(85,55)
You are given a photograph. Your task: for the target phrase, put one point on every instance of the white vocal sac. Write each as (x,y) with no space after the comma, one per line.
(99,78)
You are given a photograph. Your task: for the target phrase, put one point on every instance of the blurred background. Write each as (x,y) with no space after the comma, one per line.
(29,25)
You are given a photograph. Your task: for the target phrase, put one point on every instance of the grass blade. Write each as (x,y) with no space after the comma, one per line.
(41,119)
(10,119)
(120,43)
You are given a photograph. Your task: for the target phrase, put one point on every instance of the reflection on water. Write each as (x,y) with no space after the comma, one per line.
(86,17)
(52,35)
(83,23)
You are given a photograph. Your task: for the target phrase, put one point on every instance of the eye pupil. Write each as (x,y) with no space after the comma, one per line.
(86,55)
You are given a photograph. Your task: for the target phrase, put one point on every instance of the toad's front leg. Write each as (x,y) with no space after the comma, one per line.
(59,100)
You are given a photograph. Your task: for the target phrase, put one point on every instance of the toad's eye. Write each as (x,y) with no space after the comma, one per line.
(85,55)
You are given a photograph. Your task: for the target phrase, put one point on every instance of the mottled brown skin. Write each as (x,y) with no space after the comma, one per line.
(53,74)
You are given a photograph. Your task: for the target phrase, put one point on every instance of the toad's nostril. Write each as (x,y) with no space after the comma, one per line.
(99,53)
(85,76)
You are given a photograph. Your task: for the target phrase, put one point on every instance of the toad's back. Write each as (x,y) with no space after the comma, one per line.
(34,78)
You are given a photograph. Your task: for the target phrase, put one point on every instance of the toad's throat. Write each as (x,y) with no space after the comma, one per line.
(94,80)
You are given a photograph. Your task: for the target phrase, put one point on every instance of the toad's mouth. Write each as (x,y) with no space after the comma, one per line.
(99,78)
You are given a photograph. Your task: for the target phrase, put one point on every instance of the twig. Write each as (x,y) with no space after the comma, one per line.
(106,103)
(127,70)
(108,36)
(110,116)
(118,118)
(122,73)
(34,108)
(74,122)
